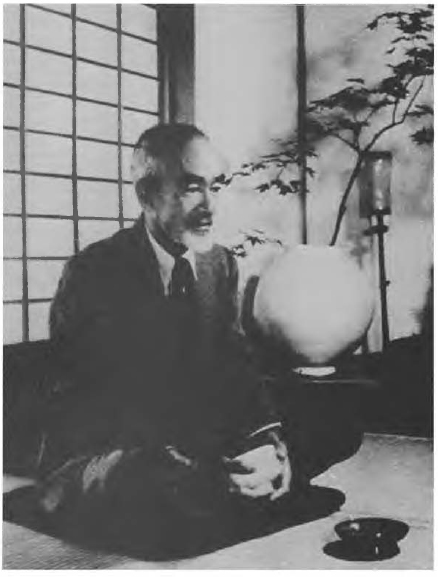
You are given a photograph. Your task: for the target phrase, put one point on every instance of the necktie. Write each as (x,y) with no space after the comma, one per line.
(182,282)
(184,306)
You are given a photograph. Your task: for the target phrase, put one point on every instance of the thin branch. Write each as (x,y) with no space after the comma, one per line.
(356,136)
(382,131)
(343,203)
(345,141)
(397,102)
(361,155)
(371,113)
(397,123)
(394,110)
(414,98)
(279,173)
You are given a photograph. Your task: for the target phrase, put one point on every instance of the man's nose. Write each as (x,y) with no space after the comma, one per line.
(207,200)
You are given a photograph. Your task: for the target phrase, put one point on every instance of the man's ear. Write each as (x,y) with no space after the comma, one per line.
(147,188)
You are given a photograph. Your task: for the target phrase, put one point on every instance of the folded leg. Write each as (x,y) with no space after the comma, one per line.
(160,505)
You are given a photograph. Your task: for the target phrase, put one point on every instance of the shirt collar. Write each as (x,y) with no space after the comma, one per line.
(166,261)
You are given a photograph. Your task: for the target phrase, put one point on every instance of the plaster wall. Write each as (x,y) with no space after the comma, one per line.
(245,96)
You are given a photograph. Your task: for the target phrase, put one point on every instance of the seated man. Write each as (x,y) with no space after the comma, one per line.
(161,430)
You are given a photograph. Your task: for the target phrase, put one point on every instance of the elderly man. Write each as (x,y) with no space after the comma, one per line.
(161,430)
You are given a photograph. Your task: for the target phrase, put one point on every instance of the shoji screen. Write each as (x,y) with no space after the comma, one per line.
(81,83)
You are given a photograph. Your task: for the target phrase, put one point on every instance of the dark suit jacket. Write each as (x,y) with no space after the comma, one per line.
(132,374)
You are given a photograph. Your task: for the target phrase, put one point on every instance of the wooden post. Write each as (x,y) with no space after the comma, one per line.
(176,29)
(301,124)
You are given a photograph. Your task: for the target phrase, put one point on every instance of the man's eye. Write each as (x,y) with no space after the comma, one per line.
(193,187)
(215,188)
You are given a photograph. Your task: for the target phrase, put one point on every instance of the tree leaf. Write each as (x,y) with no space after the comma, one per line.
(263,187)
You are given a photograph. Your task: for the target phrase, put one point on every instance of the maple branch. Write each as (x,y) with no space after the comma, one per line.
(343,203)
(398,100)
(394,110)
(396,123)
(414,97)
(345,141)
(361,154)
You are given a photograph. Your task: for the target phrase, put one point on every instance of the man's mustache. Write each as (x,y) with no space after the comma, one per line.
(199,218)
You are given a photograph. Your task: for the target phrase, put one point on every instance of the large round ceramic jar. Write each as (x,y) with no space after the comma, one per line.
(315,300)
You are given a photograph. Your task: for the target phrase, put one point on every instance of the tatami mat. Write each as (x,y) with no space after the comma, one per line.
(390,476)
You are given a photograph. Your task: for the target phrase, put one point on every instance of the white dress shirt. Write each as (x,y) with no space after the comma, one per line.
(166,261)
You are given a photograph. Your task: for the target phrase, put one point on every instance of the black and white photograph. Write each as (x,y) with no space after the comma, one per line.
(218,286)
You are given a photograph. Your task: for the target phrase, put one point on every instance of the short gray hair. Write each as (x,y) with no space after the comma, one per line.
(157,147)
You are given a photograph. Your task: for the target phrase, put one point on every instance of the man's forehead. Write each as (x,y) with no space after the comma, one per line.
(200,157)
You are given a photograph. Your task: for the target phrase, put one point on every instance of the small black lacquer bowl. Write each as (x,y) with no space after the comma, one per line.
(372,527)
(367,539)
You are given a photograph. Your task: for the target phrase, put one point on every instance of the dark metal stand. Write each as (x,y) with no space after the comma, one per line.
(380,229)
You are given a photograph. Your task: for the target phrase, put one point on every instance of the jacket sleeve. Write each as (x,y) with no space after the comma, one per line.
(264,415)
(109,390)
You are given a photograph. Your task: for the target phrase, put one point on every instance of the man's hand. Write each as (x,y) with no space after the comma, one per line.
(261,472)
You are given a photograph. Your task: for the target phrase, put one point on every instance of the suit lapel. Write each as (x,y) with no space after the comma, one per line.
(142,258)
(206,286)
